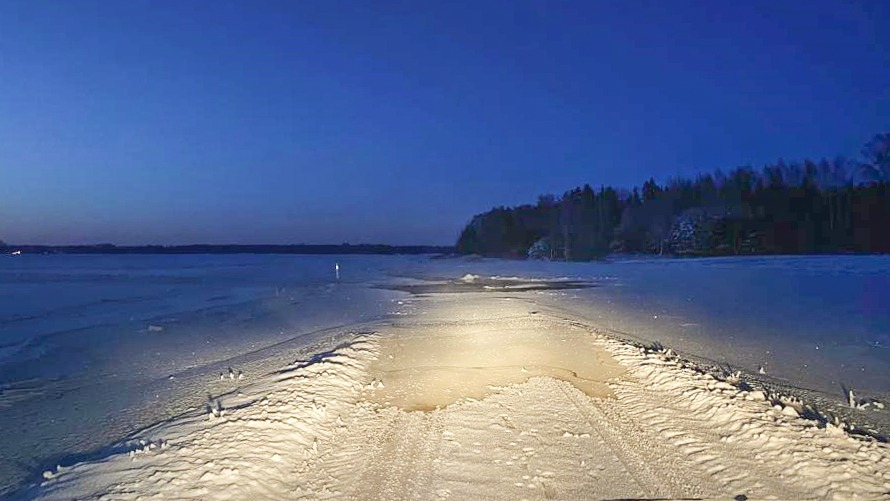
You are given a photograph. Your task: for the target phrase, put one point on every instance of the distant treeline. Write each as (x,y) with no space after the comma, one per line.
(829,206)
(230,249)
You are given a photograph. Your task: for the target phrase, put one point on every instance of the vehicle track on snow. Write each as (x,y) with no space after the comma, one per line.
(400,452)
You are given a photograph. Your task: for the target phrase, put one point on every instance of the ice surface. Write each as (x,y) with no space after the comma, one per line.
(93,348)
(817,322)
(99,346)
(426,367)
(316,429)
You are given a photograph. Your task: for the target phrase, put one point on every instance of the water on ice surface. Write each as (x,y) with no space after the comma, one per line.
(429,367)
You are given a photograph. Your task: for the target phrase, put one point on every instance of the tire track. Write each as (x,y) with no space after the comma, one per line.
(637,467)
(399,464)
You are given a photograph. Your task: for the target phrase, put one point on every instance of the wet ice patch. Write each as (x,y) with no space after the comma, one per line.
(430,367)
(476,283)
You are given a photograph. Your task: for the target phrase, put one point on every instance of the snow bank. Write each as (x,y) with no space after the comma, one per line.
(243,445)
(727,429)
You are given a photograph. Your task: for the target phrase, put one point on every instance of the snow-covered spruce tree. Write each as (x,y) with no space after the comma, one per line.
(541,249)
(877,158)
(692,232)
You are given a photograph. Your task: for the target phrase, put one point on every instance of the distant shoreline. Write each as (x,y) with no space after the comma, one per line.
(228,249)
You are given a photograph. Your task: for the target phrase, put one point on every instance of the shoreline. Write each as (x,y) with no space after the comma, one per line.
(226,249)
(723,439)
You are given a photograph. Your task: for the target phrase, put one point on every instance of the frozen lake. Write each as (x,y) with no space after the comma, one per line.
(95,347)
(817,322)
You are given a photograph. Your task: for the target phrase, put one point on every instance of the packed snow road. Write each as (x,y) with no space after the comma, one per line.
(479,394)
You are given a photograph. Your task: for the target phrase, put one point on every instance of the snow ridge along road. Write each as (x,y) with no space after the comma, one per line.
(479,395)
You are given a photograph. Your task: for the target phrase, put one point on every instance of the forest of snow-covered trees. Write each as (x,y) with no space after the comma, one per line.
(835,205)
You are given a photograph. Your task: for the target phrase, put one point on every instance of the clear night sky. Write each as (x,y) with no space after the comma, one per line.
(321,122)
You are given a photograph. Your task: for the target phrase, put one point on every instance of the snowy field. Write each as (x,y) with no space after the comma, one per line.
(264,377)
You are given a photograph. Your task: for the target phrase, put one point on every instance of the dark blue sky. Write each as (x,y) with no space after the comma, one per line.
(321,121)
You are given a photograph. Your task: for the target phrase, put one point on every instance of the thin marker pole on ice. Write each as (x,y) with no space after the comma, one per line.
(337,270)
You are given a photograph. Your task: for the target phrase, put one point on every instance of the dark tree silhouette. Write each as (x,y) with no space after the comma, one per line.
(789,208)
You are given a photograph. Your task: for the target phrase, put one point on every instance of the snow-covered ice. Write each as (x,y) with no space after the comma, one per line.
(99,346)
(650,426)
(266,377)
